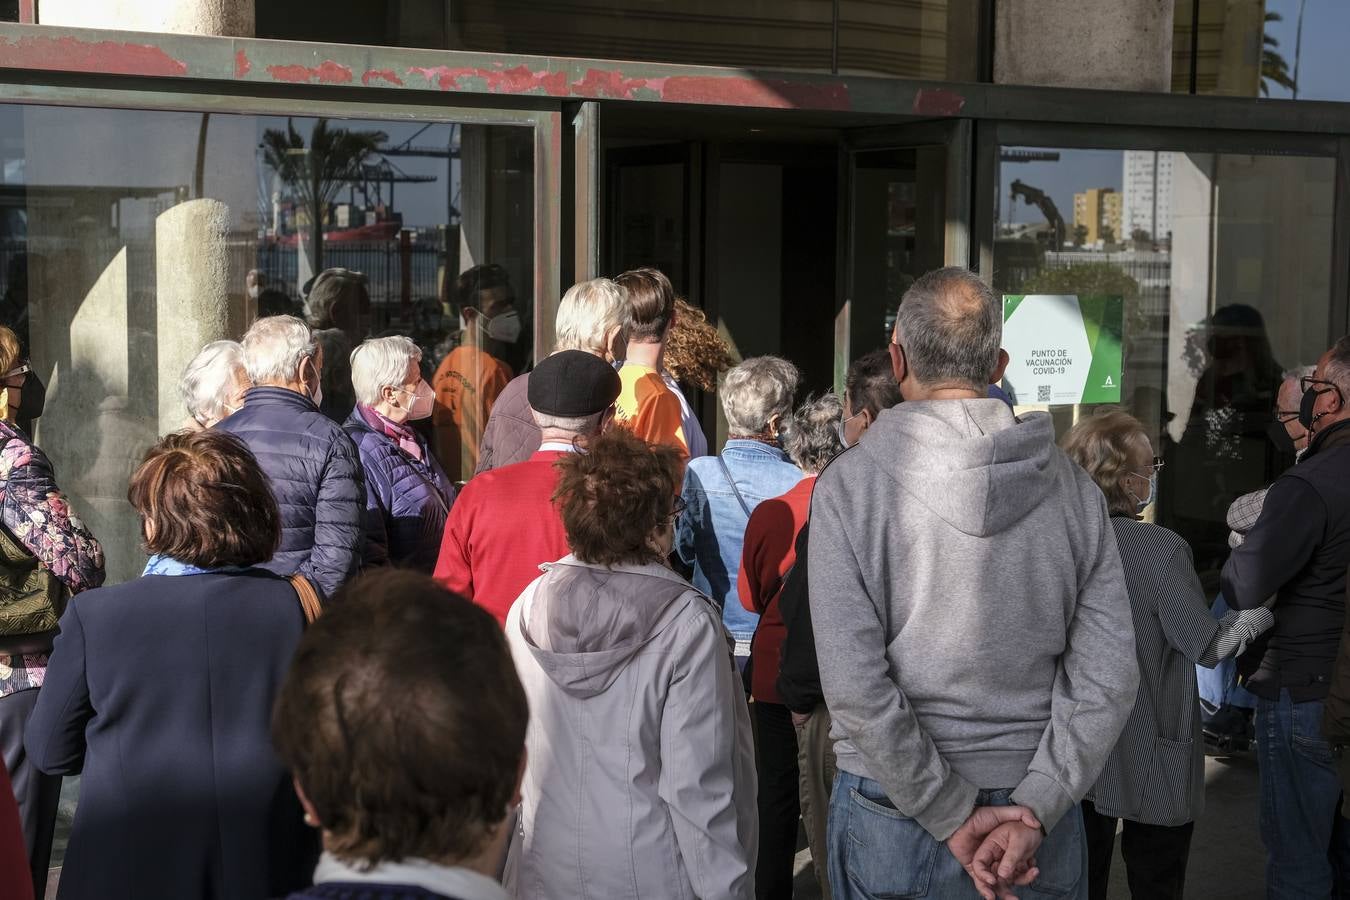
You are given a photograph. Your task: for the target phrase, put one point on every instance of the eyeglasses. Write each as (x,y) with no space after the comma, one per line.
(677,509)
(1155,466)
(1307,381)
(1285,416)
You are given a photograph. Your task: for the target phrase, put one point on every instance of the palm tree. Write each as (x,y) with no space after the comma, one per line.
(316,173)
(1274,67)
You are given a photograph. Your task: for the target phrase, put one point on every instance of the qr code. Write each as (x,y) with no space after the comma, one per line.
(1042,393)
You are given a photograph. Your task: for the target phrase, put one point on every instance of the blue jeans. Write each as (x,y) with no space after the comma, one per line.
(1219,685)
(876,852)
(1307,847)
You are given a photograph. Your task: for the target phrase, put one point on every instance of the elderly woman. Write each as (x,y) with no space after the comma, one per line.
(213,384)
(811,442)
(439,694)
(640,780)
(720,492)
(181,794)
(408,496)
(40,528)
(1154,778)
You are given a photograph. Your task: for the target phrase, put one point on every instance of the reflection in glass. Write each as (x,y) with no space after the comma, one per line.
(1223,262)
(120,259)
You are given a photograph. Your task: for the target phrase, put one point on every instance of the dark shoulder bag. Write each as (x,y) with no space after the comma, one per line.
(32,599)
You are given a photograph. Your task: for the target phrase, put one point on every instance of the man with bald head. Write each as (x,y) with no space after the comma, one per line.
(1298,552)
(974,634)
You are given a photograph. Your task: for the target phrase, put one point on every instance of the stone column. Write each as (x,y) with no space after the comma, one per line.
(199,301)
(1110,44)
(226,18)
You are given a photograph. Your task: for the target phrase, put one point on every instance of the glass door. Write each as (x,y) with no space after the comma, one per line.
(907,213)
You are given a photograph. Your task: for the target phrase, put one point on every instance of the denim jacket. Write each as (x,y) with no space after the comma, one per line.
(711,532)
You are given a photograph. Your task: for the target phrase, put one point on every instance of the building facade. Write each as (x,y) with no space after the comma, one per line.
(793,166)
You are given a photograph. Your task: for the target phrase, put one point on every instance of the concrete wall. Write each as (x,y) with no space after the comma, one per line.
(1108,44)
(231,18)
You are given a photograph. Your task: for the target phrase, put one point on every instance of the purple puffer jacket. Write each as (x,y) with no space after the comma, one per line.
(407,500)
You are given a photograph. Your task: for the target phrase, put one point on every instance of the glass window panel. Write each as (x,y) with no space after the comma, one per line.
(924,39)
(120,258)
(898,207)
(908,38)
(1284,49)
(1224,264)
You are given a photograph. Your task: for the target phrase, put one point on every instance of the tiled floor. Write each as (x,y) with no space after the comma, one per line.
(1227,859)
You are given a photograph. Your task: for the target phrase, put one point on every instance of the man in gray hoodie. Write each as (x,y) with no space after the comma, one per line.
(973,629)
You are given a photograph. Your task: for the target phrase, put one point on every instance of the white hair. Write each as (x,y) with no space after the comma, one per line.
(380,363)
(588,312)
(580,425)
(274,348)
(757,390)
(208,380)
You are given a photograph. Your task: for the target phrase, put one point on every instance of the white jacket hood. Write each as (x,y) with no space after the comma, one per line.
(586,623)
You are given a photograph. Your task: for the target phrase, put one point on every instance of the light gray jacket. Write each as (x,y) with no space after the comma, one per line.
(640,780)
(970,612)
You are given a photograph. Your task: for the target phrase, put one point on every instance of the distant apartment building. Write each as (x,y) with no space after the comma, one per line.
(1098,210)
(1147,180)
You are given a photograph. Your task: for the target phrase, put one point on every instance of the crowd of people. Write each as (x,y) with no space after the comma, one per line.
(943,639)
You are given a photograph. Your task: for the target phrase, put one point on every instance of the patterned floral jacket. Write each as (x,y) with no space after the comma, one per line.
(35,511)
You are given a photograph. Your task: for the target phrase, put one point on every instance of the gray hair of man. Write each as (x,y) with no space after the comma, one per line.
(380,363)
(275,347)
(756,391)
(588,314)
(950,327)
(813,439)
(580,426)
(1337,369)
(208,378)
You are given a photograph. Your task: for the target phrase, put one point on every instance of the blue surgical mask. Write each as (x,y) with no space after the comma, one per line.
(1141,505)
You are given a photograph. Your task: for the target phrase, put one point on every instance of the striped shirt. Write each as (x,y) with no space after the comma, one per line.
(1155,774)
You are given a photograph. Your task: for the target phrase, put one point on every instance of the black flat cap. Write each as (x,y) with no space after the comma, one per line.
(572,384)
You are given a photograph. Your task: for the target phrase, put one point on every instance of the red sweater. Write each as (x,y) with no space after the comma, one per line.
(16,882)
(502,526)
(770,542)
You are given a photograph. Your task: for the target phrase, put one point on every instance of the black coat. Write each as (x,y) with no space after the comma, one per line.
(159,695)
(798,671)
(1299,550)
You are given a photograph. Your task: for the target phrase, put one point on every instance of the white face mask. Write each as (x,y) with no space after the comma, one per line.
(504,328)
(423,400)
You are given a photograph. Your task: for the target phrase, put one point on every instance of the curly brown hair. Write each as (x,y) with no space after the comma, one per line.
(695,351)
(403,721)
(1103,445)
(613,496)
(206,501)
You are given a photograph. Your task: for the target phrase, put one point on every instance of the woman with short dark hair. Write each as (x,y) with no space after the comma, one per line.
(640,776)
(159,693)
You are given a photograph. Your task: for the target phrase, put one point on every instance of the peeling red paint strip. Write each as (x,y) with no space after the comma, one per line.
(326,72)
(69,54)
(608,84)
(518,80)
(770,93)
(241,64)
(388,75)
(938,102)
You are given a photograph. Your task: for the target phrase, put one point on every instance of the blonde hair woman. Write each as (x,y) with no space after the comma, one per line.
(38,516)
(1154,778)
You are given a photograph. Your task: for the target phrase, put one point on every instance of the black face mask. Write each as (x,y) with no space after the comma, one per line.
(1280,438)
(1306,417)
(33,398)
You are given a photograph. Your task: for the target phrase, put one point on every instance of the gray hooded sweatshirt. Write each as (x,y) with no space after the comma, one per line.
(970,612)
(640,780)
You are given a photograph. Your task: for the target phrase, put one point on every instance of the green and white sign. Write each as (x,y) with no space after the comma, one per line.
(1062,348)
